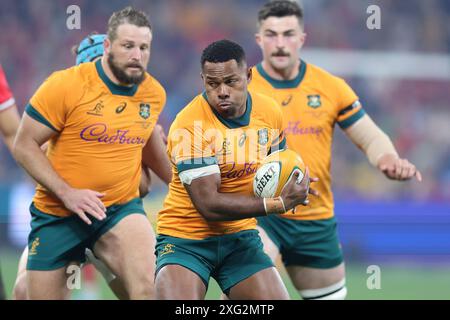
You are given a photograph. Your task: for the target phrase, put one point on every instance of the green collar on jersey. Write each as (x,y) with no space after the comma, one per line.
(242,121)
(284,84)
(114,88)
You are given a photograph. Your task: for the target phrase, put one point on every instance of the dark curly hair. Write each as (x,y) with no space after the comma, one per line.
(223,51)
(280,8)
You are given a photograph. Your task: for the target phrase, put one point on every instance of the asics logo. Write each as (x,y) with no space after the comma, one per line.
(286,101)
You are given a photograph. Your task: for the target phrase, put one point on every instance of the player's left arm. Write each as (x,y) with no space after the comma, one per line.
(9,123)
(380,150)
(155,157)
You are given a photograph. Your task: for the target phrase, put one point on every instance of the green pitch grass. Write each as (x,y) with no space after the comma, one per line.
(397,281)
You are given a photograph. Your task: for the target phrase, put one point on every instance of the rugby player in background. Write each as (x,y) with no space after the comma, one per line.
(127,101)
(312,102)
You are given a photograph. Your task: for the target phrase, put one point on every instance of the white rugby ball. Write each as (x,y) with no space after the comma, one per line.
(275,171)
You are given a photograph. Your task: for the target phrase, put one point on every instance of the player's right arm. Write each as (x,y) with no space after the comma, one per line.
(45,117)
(214,205)
(28,153)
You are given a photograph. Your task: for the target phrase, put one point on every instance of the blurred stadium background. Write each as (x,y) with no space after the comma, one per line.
(401,73)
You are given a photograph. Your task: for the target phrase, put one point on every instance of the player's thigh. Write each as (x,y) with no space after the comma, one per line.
(270,247)
(243,257)
(53,244)
(128,248)
(53,284)
(263,285)
(175,282)
(305,278)
(184,266)
(315,259)
(20,285)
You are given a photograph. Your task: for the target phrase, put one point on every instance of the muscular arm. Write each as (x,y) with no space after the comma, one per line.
(216,206)
(9,123)
(27,150)
(28,153)
(155,157)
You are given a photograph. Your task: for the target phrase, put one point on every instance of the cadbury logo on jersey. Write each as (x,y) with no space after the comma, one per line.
(249,168)
(97,133)
(296,128)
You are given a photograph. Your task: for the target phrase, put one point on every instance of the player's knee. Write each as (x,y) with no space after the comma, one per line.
(142,293)
(20,288)
(142,287)
(337,291)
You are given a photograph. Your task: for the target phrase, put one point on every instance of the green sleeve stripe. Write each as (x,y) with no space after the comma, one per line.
(279,146)
(354,105)
(283,143)
(352,119)
(32,112)
(345,110)
(277,139)
(195,163)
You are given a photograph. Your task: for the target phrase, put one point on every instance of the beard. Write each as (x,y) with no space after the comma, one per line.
(122,76)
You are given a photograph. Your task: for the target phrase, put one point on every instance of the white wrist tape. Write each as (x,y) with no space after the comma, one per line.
(274,205)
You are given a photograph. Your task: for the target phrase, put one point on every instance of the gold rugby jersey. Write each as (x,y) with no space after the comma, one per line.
(102,128)
(200,138)
(312,104)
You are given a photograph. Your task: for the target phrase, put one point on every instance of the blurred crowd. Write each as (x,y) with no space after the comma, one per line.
(35,41)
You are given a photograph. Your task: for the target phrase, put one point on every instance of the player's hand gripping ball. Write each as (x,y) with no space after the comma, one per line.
(275,171)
